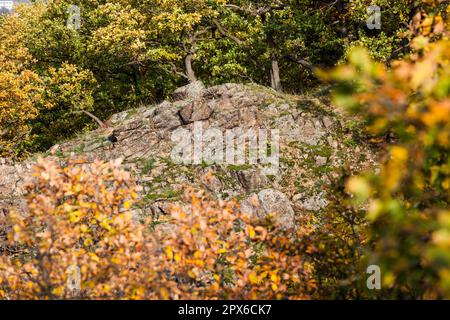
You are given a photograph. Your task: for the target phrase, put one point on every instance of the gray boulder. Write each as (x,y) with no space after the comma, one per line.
(191,91)
(273,207)
(166,117)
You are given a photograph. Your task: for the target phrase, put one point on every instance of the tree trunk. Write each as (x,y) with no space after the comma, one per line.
(188,66)
(190,73)
(275,80)
(275,73)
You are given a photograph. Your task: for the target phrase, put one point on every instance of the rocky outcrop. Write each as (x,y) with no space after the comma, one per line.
(312,202)
(314,145)
(165,117)
(197,110)
(12,180)
(270,206)
(191,91)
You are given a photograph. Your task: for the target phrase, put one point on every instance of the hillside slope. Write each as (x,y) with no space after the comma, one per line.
(315,144)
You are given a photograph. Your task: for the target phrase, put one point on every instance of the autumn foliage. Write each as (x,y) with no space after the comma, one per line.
(20,89)
(127,53)
(83,218)
(408,200)
(81,215)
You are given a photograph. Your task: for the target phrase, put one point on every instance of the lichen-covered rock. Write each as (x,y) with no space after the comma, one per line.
(191,91)
(252,180)
(197,110)
(9,177)
(166,117)
(312,150)
(311,203)
(12,180)
(270,206)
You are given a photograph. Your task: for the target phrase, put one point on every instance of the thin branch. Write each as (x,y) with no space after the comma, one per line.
(301,62)
(175,70)
(227,34)
(235,7)
(258,11)
(100,122)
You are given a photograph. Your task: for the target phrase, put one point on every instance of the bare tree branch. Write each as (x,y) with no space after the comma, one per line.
(100,122)
(301,62)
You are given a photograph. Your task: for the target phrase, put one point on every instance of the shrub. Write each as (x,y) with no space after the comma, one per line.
(80,215)
(407,108)
(20,89)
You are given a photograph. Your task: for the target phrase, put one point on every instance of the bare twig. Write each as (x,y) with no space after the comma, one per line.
(100,122)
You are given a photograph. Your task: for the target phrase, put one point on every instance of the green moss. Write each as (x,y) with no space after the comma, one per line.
(59,153)
(168,162)
(322,169)
(131,112)
(362,157)
(300,187)
(168,194)
(319,183)
(284,113)
(350,142)
(154,224)
(313,106)
(290,162)
(319,150)
(79,149)
(242,167)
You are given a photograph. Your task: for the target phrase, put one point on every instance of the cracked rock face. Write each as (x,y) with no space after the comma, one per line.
(196,111)
(252,180)
(166,117)
(311,148)
(270,206)
(8,180)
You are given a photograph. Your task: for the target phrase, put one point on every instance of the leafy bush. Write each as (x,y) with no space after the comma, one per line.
(20,89)
(124,54)
(408,200)
(81,215)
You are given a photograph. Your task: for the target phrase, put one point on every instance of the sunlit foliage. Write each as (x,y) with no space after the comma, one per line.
(138,52)
(20,89)
(81,215)
(407,106)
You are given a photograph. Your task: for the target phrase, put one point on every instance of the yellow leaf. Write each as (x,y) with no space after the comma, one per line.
(94,256)
(423,72)
(169,253)
(251,232)
(399,153)
(164,293)
(127,204)
(274,277)
(191,274)
(253,277)
(359,186)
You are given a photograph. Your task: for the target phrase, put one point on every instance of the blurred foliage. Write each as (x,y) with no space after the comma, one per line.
(387,43)
(407,104)
(20,89)
(81,215)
